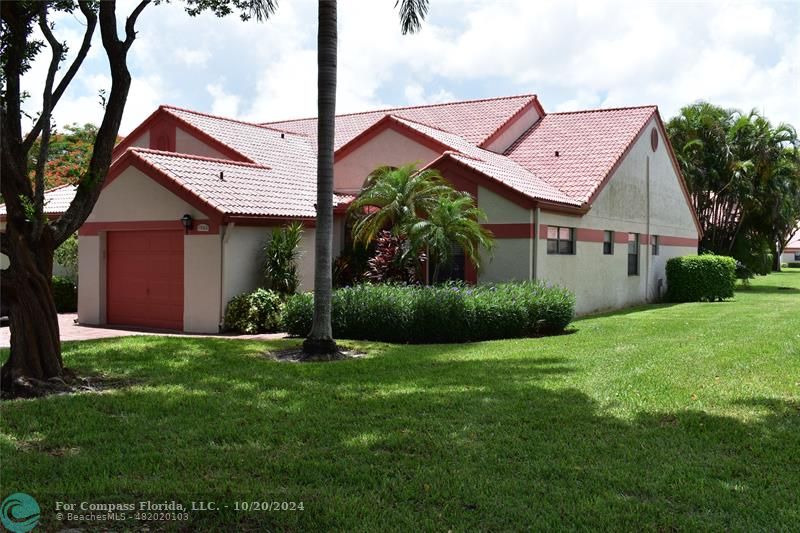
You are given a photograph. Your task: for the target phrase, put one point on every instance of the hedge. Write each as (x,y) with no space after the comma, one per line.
(793,264)
(698,278)
(254,312)
(438,314)
(65,294)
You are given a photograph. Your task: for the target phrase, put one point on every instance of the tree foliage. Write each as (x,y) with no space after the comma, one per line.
(416,214)
(743,174)
(68,155)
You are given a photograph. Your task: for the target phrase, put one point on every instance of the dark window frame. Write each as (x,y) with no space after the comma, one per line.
(633,257)
(608,242)
(557,248)
(655,245)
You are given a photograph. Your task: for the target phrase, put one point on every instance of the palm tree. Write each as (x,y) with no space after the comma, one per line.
(454,222)
(320,344)
(393,197)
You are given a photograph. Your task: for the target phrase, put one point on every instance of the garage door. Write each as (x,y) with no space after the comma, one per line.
(145,279)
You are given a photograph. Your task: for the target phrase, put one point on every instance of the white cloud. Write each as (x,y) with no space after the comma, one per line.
(225,104)
(575,54)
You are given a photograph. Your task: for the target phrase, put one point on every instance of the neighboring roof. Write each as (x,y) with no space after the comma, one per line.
(493,165)
(56,200)
(244,189)
(474,120)
(589,145)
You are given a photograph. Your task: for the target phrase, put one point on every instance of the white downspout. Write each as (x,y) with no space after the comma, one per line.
(226,233)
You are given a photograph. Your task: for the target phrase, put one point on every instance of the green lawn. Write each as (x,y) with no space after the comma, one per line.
(658,418)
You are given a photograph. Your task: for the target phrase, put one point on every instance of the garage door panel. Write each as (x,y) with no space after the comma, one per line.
(145,278)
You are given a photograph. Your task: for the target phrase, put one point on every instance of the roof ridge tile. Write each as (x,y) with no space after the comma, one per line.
(196,157)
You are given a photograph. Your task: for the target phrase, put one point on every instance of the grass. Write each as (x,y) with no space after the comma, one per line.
(664,417)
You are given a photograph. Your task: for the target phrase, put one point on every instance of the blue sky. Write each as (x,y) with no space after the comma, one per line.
(574,55)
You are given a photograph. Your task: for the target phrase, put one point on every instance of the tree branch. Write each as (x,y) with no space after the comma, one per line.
(91,23)
(47,97)
(130,30)
(92,181)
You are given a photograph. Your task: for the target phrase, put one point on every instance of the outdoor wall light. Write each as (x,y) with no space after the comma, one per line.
(186,220)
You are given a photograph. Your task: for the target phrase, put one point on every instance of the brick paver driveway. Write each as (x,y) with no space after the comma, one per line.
(70,331)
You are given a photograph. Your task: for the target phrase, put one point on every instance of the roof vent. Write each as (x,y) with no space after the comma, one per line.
(556,153)
(221,176)
(282,135)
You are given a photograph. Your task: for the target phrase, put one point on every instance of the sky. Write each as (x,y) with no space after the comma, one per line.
(572,54)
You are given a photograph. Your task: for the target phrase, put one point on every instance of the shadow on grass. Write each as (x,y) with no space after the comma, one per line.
(423,437)
(768,289)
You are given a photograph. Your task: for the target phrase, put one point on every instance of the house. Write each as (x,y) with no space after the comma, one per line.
(56,202)
(592,200)
(791,254)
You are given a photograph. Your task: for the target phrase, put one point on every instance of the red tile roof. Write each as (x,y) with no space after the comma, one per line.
(278,175)
(56,200)
(589,144)
(474,120)
(493,165)
(245,188)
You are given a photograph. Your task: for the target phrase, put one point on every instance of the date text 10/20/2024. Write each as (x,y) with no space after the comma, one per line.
(148,506)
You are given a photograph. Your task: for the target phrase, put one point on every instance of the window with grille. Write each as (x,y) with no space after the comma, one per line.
(608,242)
(560,240)
(633,254)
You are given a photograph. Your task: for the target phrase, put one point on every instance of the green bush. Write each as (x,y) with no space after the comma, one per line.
(793,264)
(65,294)
(255,312)
(700,278)
(438,314)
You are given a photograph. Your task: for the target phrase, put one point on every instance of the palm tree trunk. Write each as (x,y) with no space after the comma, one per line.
(320,339)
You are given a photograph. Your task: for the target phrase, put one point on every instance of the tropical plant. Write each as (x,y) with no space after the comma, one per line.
(454,222)
(280,259)
(394,197)
(389,262)
(320,344)
(31,238)
(743,174)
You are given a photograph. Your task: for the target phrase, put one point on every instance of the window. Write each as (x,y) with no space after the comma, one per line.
(797,256)
(608,243)
(655,244)
(633,254)
(560,240)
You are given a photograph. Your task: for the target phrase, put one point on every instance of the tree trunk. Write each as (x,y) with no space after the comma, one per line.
(776,259)
(320,339)
(35,347)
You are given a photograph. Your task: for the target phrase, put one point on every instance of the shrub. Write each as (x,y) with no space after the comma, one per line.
(700,278)
(66,255)
(65,294)
(280,259)
(255,312)
(438,314)
(793,264)
(298,313)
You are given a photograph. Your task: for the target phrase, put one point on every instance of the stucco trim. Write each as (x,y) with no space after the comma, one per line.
(94,228)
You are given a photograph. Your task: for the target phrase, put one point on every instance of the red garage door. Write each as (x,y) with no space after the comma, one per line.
(145,278)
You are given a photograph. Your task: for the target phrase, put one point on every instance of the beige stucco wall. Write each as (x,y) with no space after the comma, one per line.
(133,197)
(788,257)
(386,148)
(499,210)
(509,262)
(92,272)
(601,281)
(186,143)
(201,282)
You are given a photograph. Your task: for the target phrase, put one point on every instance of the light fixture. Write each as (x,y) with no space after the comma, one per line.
(186,220)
